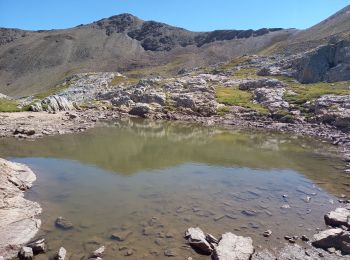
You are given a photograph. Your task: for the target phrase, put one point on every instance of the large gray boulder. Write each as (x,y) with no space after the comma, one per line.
(197,239)
(57,103)
(233,247)
(333,238)
(337,218)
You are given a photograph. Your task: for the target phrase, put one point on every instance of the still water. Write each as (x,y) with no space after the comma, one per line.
(149,181)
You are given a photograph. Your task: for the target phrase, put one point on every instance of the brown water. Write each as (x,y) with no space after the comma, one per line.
(156,179)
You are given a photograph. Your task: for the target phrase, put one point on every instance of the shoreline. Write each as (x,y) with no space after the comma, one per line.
(32,125)
(18,216)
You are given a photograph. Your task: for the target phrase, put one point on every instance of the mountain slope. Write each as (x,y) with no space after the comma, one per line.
(34,61)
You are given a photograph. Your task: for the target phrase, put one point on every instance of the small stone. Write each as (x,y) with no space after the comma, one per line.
(170,253)
(286,206)
(304,238)
(26,253)
(98,252)
(267,233)
(128,252)
(121,236)
(61,254)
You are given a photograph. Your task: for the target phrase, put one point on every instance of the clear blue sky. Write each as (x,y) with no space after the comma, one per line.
(196,15)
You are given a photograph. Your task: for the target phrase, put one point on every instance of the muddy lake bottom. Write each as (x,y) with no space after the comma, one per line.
(149,181)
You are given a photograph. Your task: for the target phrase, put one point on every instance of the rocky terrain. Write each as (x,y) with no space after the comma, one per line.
(18,216)
(64,81)
(35,61)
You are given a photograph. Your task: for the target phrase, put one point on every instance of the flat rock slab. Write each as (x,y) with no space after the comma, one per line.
(233,247)
(18,217)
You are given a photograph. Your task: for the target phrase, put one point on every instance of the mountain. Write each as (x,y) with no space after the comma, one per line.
(34,61)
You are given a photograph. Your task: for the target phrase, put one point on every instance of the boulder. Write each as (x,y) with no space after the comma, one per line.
(140,109)
(57,103)
(335,237)
(197,239)
(26,253)
(61,254)
(337,218)
(233,247)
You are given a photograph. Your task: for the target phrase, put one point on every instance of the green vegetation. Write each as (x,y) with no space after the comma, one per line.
(232,96)
(235,62)
(118,80)
(309,92)
(7,105)
(52,91)
(223,110)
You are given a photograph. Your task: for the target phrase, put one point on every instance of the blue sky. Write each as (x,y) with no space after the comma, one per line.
(196,15)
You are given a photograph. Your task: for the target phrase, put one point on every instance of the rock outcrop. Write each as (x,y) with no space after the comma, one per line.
(330,62)
(18,217)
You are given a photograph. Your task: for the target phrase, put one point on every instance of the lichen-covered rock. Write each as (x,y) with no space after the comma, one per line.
(18,217)
(233,247)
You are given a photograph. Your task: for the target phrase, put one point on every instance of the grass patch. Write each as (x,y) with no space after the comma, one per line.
(235,62)
(7,105)
(245,73)
(310,92)
(234,97)
(118,80)
(50,92)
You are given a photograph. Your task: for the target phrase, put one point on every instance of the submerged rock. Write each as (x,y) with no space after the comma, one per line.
(233,247)
(63,223)
(197,239)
